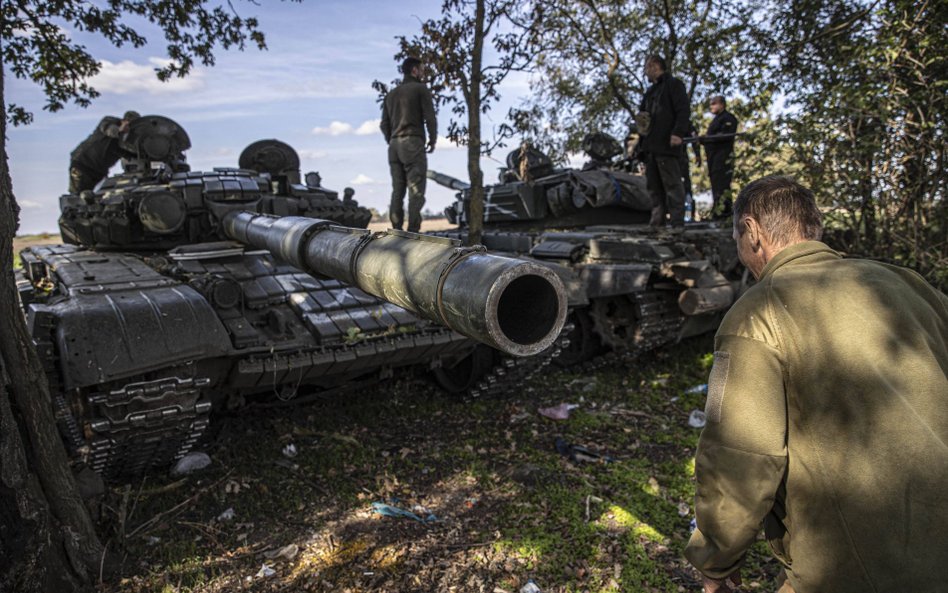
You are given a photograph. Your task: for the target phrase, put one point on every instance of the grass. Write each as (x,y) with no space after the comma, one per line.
(508,506)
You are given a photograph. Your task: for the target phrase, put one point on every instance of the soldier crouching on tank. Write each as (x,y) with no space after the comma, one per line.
(407,112)
(826,414)
(91,160)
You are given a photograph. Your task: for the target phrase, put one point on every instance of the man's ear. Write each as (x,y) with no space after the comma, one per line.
(753,227)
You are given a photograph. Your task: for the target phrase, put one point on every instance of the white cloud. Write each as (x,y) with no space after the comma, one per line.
(362,179)
(368,127)
(127,77)
(312,154)
(446,144)
(224,151)
(30,204)
(336,128)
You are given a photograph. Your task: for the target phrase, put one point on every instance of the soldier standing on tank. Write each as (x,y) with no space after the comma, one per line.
(407,112)
(91,160)
(720,153)
(665,112)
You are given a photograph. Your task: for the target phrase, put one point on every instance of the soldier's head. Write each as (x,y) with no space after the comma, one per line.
(654,67)
(717,104)
(127,118)
(771,214)
(412,66)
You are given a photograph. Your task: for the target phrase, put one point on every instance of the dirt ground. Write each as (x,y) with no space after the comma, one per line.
(402,488)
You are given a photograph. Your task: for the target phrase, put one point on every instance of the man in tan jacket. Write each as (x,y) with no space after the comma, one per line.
(407,113)
(827,414)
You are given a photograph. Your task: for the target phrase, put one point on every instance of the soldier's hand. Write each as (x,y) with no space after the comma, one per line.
(676,140)
(726,585)
(431,145)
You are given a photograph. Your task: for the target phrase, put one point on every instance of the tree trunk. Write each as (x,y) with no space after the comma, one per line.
(476,223)
(47,539)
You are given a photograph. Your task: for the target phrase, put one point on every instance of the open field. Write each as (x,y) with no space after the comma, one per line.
(497,504)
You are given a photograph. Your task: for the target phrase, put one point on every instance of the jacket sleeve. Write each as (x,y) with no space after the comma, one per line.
(386,123)
(721,125)
(680,107)
(431,120)
(742,453)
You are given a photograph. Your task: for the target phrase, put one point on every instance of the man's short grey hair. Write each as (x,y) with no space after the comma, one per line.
(718,99)
(785,209)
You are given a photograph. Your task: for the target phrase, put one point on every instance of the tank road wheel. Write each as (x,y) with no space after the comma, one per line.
(466,372)
(584,344)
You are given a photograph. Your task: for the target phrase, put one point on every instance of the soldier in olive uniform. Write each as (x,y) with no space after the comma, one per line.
(407,112)
(91,160)
(827,414)
(720,155)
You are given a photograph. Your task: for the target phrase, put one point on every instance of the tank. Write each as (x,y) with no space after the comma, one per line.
(630,287)
(179,293)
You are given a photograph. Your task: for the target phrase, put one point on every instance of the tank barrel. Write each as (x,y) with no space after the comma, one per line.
(448,181)
(514,305)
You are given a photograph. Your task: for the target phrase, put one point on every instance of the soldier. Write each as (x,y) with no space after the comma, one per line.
(665,112)
(827,414)
(720,153)
(91,160)
(407,112)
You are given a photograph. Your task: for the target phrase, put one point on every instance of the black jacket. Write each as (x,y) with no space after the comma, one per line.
(101,149)
(666,101)
(723,123)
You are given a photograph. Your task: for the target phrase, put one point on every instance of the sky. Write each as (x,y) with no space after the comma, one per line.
(311,89)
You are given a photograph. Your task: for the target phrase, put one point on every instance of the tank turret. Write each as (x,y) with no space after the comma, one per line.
(158,203)
(532,193)
(630,287)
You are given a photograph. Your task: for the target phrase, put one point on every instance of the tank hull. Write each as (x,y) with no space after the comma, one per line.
(141,349)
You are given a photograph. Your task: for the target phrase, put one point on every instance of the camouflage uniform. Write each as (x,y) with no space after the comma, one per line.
(92,159)
(408,110)
(827,421)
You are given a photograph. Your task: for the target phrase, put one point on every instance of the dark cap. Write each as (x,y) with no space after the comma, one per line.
(131,116)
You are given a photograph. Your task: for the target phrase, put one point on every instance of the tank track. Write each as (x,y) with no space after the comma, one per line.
(512,372)
(135,426)
(658,321)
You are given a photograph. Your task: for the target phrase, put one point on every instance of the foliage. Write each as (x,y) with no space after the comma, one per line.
(866,119)
(465,79)
(590,56)
(446,46)
(37,45)
(848,95)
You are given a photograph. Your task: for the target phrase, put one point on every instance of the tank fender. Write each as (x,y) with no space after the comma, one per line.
(605,280)
(153,327)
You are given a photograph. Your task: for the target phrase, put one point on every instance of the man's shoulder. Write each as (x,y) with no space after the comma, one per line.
(748,317)
(674,81)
